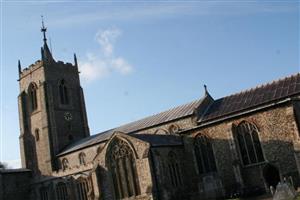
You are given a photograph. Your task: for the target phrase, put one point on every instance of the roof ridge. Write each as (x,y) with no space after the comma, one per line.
(262,85)
(159,113)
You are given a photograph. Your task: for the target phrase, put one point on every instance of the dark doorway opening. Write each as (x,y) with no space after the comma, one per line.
(271,175)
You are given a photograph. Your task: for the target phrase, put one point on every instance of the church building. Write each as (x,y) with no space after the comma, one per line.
(238,145)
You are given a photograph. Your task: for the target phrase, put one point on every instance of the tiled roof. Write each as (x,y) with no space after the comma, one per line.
(160,118)
(254,97)
(225,106)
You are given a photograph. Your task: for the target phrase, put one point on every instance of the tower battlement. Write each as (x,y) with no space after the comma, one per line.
(39,63)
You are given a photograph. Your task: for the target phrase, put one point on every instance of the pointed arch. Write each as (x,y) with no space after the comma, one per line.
(174,128)
(204,154)
(161,131)
(65,164)
(63,92)
(121,162)
(32,92)
(247,140)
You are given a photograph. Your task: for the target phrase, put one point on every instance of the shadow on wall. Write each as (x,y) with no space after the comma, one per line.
(239,179)
(231,177)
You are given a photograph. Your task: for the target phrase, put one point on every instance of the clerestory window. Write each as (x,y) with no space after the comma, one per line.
(82,158)
(65,164)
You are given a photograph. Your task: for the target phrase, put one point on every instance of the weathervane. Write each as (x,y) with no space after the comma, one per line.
(43,29)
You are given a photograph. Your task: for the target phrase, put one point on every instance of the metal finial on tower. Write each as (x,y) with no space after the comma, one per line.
(75,60)
(43,29)
(19,67)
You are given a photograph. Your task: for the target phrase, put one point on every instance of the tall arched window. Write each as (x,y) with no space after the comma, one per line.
(32,96)
(44,195)
(174,170)
(62,191)
(204,155)
(246,135)
(82,187)
(82,158)
(65,164)
(63,93)
(121,163)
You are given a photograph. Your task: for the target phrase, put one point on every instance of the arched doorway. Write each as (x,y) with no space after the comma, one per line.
(271,175)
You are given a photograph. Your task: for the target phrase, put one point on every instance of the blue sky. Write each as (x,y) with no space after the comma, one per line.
(138,58)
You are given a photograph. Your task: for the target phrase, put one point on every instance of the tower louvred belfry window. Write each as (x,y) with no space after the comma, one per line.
(63,93)
(121,162)
(247,139)
(204,155)
(32,91)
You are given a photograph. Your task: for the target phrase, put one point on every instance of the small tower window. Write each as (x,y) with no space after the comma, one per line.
(63,93)
(37,134)
(32,96)
(82,158)
(65,164)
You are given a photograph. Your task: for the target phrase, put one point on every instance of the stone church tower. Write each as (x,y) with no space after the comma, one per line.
(51,110)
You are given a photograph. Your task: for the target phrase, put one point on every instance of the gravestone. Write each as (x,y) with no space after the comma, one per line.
(284,191)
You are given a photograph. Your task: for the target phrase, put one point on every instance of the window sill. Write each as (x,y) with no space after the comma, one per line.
(65,106)
(35,112)
(254,164)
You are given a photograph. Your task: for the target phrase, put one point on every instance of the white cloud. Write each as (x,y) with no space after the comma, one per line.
(101,65)
(154,10)
(13,164)
(107,38)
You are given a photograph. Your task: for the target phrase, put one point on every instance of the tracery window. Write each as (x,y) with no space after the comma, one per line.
(44,193)
(82,187)
(32,96)
(204,155)
(65,164)
(121,163)
(62,191)
(174,170)
(82,158)
(63,93)
(246,135)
